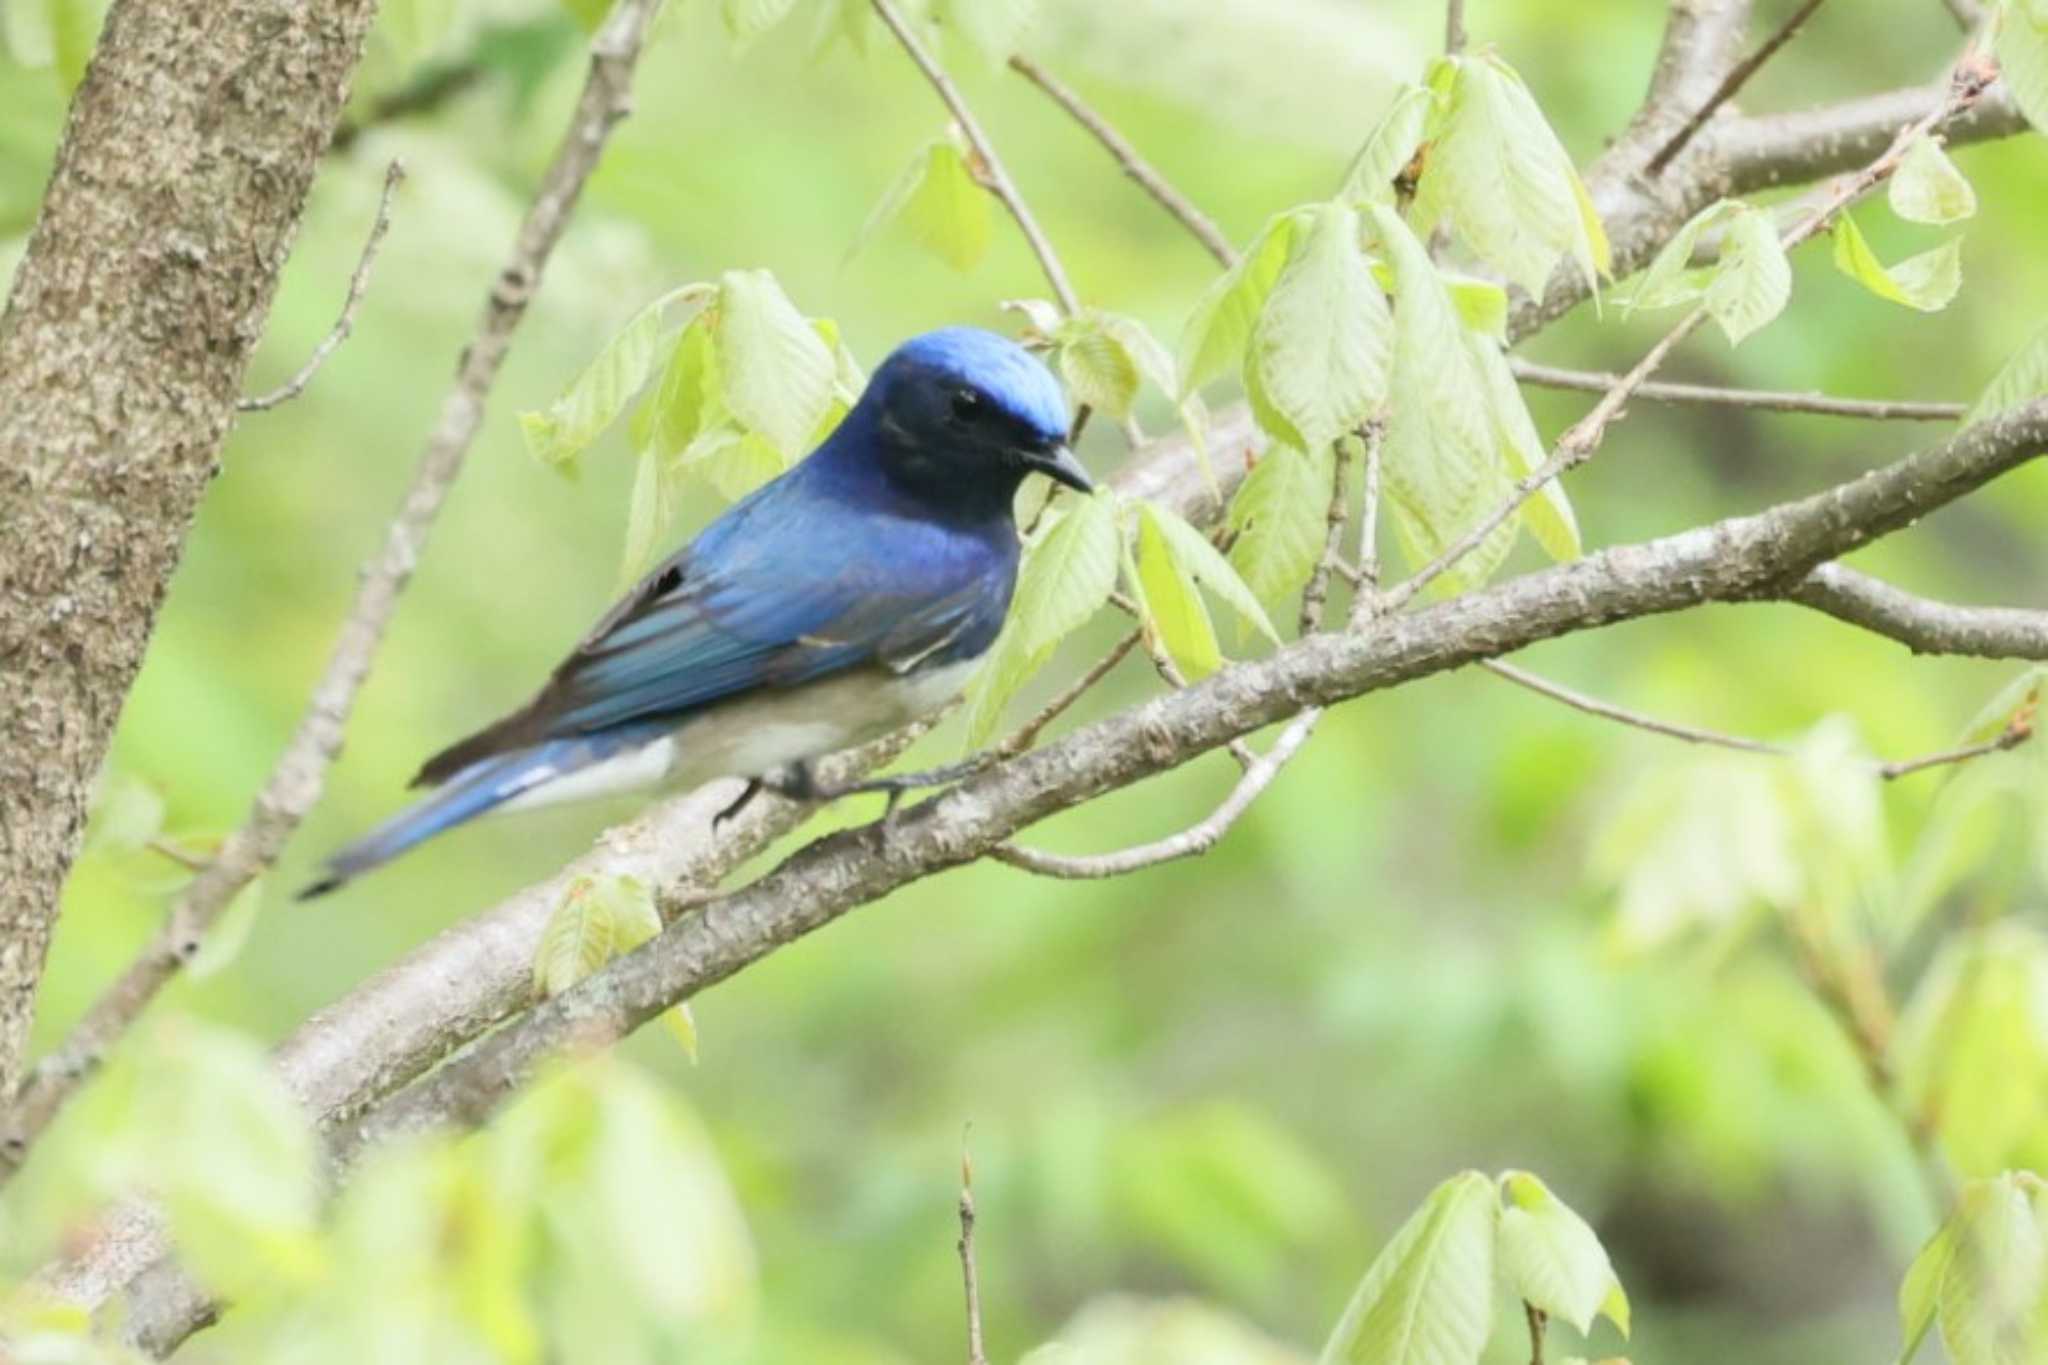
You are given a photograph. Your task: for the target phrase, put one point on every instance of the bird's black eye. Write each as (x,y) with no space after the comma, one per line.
(967,405)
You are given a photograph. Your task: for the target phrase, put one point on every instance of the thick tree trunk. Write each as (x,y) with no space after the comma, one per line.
(176,192)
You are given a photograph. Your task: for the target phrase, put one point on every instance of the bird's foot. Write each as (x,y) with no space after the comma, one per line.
(800,782)
(738,803)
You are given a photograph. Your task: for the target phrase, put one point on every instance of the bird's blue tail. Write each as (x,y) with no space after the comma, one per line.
(468,794)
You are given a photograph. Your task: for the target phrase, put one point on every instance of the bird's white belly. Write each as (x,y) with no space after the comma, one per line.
(761,733)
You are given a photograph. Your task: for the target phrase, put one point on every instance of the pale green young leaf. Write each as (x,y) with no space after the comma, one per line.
(732,461)
(2021,46)
(1920,1292)
(1481,303)
(1428,1297)
(746,20)
(1220,328)
(1927,187)
(992,28)
(1926,282)
(2021,379)
(1174,609)
(618,371)
(581,936)
(1992,1303)
(1504,182)
(636,921)
(1098,369)
(1319,348)
(229,934)
(1389,147)
(1753,281)
(1552,1259)
(1440,459)
(686,401)
(1670,278)
(2020,697)
(776,371)
(948,210)
(1970,1042)
(1067,575)
(1203,562)
(127,813)
(894,200)
(647,514)
(1549,514)
(1280,515)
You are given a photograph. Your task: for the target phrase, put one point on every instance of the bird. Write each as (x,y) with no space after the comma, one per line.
(850,595)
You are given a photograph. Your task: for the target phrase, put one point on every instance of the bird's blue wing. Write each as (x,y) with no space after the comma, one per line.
(778,593)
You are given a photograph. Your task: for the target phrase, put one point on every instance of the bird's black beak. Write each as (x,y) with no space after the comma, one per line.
(1059,464)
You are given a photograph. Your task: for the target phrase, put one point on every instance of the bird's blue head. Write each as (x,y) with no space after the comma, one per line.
(963,415)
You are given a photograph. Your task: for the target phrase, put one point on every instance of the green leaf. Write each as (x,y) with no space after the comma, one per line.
(127,813)
(687,400)
(1098,368)
(993,28)
(1441,459)
(949,211)
(895,199)
(1919,1292)
(648,513)
(581,935)
(1753,281)
(229,935)
(1389,147)
(1552,1259)
(1671,279)
(1927,188)
(1926,282)
(1174,609)
(1482,304)
(562,433)
(1505,183)
(1992,1303)
(1428,1298)
(1972,1046)
(732,461)
(1203,562)
(2020,380)
(1318,354)
(1549,514)
(1220,328)
(746,20)
(2020,697)
(776,371)
(1280,515)
(1066,576)
(2021,46)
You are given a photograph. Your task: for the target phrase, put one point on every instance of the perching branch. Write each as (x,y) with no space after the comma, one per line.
(1731,83)
(1921,624)
(296,782)
(970,1277)
(357,284)
(991,171)
(1134,165)
(1766,400)
(1740,559)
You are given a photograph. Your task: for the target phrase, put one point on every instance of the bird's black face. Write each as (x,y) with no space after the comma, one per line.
(964,442)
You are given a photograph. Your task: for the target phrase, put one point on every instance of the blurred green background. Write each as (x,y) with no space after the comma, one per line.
(1227,1078)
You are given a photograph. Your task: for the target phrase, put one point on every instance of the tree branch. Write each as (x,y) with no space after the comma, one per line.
(1731,83)
(970,1278)
(358,282)
(1767,400)
(1134,165)
(992,173)
(296,782)
(1921,624)
(1593,706)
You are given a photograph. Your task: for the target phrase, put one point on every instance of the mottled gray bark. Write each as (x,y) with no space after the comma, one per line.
(177,189)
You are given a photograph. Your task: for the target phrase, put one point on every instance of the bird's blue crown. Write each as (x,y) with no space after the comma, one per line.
(999,368)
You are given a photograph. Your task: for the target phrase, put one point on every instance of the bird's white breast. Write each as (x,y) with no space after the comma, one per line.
(763,732)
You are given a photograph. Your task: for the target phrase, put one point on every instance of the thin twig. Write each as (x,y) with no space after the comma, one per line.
(1921,624)
(1731,83)
(970,1277)
(1023,737)
(1366,604)
(2016,733)
(1967,83)
(1128,157)
(295,784)
(1579,701)
(1537,1320)
(1769,400)
(1454,27)
(357,284)
(1194,840)
(992,173)
(177,853)
(1316,594)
